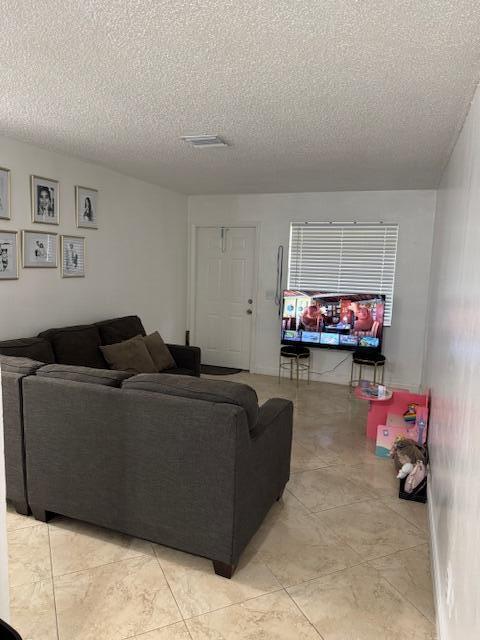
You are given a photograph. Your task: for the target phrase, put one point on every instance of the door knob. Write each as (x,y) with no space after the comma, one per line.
(250,301)
(249,312)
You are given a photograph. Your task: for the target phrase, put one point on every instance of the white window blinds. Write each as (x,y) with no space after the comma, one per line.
(344,257)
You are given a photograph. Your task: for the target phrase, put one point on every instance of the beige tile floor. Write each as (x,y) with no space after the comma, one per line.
(339,558)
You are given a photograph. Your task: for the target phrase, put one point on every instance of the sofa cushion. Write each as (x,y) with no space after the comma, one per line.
(91,375)
(199,389)
(130,355)
(157,348)
(34,348)
(76,345)
(22,366)
(181,371)
(120,329)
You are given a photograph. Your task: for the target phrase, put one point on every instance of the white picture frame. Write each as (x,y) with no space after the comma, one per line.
(9,255)
(45,194)
(5,194)
(39,249)
(86,203)
(73,256)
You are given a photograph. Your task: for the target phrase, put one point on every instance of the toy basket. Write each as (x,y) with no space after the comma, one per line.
(419,494)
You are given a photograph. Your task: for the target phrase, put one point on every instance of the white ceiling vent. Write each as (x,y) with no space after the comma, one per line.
(202,142)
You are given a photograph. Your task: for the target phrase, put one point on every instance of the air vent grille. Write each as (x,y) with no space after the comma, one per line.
(203,142)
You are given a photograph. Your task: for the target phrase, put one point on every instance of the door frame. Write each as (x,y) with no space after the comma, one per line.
(191,280)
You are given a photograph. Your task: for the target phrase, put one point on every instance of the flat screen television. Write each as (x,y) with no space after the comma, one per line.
(332,321)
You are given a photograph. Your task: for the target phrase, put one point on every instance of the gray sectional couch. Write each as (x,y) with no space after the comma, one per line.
(190,463)
(75,345)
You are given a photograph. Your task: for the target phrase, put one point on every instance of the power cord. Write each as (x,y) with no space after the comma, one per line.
(321,373)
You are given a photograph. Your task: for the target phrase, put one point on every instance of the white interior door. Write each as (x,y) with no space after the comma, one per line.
(224,303)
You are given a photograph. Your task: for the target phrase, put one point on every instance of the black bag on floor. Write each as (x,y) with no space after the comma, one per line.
(7,633)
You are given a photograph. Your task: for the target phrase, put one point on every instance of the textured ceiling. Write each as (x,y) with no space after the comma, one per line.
(313,95)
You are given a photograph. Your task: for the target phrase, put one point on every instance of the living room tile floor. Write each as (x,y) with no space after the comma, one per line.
(340,557)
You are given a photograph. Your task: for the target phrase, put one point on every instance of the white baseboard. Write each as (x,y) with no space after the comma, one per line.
(333,378)
(267,371)
(437,582)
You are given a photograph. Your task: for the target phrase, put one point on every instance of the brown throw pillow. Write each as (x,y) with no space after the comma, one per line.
(130,355)
(159,352)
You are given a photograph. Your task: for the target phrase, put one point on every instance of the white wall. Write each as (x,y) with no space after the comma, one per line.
(413,210)
(453,372)
(136,260)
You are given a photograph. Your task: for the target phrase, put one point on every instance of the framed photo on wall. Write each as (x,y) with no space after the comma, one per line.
(73,257)
(39,249)
(86,207)
(45,200)
(8,255)
(4,194)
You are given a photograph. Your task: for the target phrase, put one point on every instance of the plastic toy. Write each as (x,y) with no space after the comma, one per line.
(410,414)
(407,467)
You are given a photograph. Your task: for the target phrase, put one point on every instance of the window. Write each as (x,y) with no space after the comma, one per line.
(344,257)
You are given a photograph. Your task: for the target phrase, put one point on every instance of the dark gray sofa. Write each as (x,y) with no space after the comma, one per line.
(75,345)
(190,463)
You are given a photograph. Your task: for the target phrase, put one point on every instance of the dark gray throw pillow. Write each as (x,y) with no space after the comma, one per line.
(130,355)
(157,348)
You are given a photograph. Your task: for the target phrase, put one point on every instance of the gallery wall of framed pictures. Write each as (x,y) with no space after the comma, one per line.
(43,248)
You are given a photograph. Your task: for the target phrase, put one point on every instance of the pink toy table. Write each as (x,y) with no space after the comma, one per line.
(396,401)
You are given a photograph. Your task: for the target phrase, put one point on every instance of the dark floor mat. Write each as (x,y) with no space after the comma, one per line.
(212,370)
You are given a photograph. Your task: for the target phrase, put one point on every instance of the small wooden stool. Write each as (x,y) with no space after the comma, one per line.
(294,356)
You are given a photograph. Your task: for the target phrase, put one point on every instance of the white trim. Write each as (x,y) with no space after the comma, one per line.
(191,297)
(4,600)
(333,377)
(435,567)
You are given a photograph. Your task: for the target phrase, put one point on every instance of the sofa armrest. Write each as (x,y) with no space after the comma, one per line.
(275,409)
(263,469)
(186,357)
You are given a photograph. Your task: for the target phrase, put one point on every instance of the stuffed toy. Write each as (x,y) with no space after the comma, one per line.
(406,453)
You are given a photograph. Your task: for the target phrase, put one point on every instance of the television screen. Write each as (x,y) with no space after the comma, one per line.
(335,321)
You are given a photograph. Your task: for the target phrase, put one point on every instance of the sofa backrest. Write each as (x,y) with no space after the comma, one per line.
(21,366)
(90,375)
(76,345)
(34,348)
(216,391)
(120,329)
